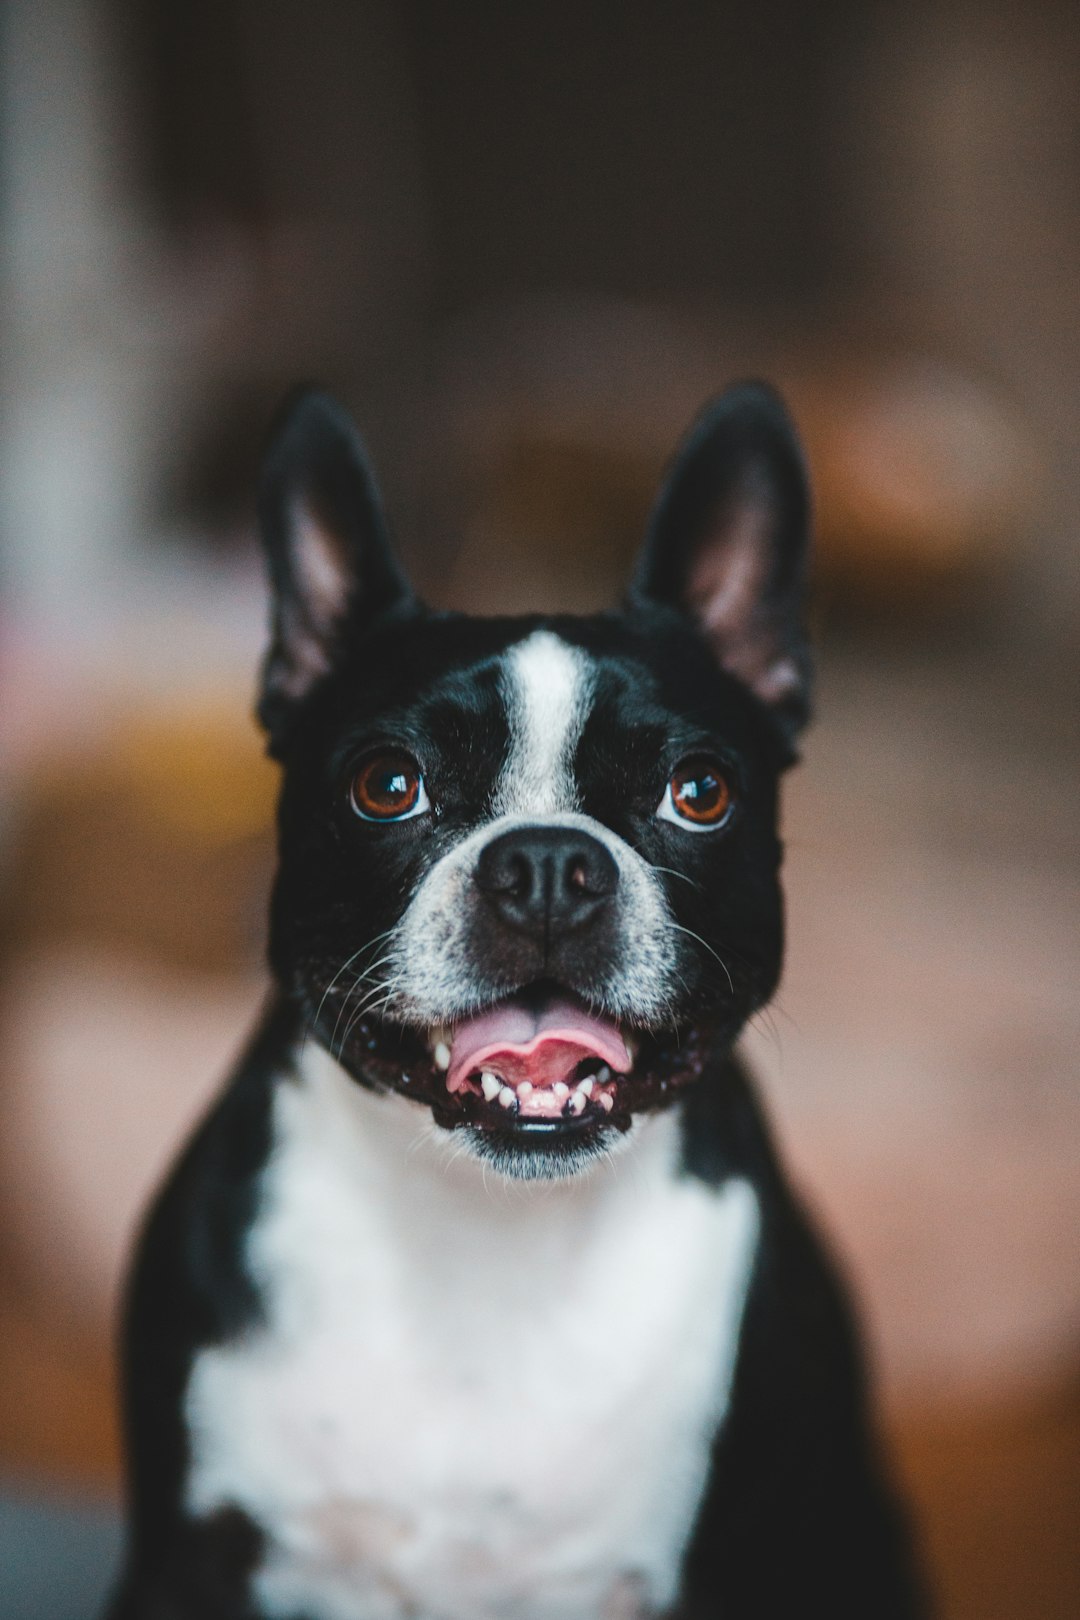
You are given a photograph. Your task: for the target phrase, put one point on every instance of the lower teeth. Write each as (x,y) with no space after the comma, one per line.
(573,1103)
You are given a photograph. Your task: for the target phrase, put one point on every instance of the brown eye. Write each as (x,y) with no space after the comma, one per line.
(698,796)
(388,787)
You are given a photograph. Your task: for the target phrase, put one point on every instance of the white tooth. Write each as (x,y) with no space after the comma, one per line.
(525,1089)
(586,1086)
(607,1103)
(507,1097)
(490,1085)
(631,1043)
(577,1103)
(603,1073)
(561,1090)
(442,1055)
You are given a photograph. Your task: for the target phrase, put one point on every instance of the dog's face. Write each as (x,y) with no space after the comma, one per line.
(529,868)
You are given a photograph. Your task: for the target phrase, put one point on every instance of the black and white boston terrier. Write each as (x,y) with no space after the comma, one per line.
(480,1295)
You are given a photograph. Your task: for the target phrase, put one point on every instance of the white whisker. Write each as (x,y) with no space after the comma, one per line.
(706,946)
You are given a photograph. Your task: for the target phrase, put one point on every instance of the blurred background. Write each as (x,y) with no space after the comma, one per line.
(524,242)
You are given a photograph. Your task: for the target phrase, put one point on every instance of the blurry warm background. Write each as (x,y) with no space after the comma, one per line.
(524,242)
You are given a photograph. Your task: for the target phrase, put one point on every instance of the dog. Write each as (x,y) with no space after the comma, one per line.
(481,1295)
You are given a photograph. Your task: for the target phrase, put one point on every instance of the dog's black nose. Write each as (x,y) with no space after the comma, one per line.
(543,880)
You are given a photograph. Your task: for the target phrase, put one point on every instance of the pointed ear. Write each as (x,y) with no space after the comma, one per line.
(332,566)
(729,541)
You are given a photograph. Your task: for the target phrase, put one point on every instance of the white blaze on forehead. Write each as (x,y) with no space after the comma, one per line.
(547,686)
(435,973)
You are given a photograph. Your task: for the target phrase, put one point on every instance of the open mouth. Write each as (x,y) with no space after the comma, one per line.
(533,1069)
(537,1059)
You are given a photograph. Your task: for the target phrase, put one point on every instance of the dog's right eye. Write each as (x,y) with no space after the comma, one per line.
(389,787)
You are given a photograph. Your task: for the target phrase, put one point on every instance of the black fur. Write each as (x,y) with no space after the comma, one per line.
(798,1517)
(190,1289)
(708,656)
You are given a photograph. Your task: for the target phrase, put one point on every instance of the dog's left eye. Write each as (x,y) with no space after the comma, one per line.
(388,787)
(698,797)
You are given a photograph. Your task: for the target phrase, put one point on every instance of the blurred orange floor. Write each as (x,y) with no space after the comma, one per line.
(997,1494)
(57,1407)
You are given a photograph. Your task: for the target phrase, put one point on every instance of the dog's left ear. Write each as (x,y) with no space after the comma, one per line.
(728,545)
(332,565)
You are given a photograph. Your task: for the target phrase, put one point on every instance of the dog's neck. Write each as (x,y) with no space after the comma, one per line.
(450,1361)
(430,1187)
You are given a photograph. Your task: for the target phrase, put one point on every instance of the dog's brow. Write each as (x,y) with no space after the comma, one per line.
(547,686)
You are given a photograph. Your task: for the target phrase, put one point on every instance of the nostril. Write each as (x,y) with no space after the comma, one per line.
(590,874)
(504,871)
(519,878)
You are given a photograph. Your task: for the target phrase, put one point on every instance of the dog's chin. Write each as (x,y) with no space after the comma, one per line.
(524,1153)
(540,1085)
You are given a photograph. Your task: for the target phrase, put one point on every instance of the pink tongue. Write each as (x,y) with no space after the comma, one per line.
(518,1043)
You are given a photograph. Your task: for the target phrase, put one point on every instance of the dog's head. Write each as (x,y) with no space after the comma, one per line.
(529,867)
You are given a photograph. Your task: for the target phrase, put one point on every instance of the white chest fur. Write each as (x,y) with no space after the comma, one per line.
(472,1399)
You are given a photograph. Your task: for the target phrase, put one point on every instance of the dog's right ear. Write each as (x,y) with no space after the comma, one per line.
(332,565)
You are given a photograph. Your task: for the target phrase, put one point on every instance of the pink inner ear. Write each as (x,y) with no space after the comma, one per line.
(726,592)
(777,681)
(321,601)
(321,574)
(728,577)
